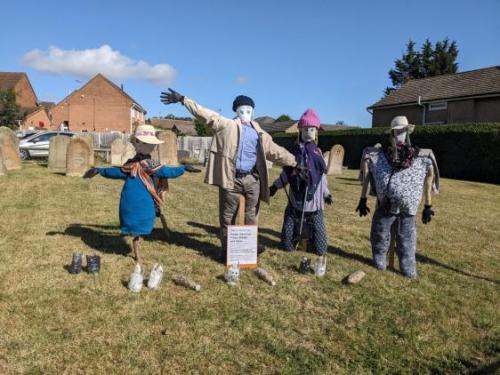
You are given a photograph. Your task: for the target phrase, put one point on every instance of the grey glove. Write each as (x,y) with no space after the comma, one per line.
(171,97)
(91,173)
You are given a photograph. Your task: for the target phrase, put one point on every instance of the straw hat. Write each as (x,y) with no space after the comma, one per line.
(401,122)
(147,134)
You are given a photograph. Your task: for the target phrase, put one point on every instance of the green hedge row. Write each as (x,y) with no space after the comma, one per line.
(463,151)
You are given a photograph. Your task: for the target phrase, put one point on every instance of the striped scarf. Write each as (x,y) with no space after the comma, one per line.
(144,168)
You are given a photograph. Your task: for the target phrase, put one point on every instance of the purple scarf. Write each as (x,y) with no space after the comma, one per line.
(309,155)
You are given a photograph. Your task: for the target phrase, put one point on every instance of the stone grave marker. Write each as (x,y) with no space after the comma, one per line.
(9,145)
(58,147)
(78,157)
(335,160)
(167,151)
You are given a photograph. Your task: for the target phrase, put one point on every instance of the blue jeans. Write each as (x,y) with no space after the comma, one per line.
(406,241)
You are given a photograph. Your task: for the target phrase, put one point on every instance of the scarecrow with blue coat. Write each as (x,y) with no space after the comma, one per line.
(139,198)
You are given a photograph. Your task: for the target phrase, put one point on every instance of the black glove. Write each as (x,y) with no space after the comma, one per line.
(362,207)
(171,97)
(190,168)
(301,171)
(272,190)
(91,173)
(427,214)
(329,200)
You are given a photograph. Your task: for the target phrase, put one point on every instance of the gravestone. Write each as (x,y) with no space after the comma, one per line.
(78,157)
(183,154)
(9,145)
(58,147)
(121,151)
(167,151)
(3,170)
(90,141)
(335,160)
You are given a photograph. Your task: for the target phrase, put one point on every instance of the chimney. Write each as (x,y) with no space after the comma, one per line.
(121,86)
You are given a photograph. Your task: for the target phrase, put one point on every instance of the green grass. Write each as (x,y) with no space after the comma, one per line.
(53,322)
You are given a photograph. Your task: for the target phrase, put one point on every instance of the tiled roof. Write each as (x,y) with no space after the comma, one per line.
(471,83)
(9,80)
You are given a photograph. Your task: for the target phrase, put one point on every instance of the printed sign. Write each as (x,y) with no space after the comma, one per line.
(242,245)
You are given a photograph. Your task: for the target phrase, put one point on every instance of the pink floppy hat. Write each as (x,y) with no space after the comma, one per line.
(309,119)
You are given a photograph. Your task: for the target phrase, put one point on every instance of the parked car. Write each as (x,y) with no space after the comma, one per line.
(37,145)
(25,134)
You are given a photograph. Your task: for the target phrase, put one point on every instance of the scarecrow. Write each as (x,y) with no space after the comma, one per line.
(139,199)
(237,159)
(399,174)
(303,217)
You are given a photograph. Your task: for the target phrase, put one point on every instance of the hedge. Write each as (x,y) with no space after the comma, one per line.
(468,151)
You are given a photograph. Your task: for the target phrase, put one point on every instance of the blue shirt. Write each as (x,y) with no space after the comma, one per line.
(247,148)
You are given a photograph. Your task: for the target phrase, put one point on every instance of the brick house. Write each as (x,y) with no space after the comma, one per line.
(99,105)
(19,82)
(472,96)
(38,119)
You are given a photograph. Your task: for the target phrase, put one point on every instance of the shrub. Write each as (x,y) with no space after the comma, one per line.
(463,151)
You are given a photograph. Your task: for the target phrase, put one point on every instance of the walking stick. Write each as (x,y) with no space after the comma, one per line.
(302,243)
(392,246)
(161,186)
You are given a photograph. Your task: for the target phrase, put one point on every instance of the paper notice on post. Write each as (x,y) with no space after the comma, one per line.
(242,245)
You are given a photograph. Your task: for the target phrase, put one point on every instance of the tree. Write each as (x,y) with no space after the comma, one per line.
(9,110)
(283,118)
(428,62)
(202,129)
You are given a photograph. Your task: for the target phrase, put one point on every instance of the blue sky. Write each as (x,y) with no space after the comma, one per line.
(287,55)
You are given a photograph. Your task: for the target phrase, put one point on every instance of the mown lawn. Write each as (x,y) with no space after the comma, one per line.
(54,322)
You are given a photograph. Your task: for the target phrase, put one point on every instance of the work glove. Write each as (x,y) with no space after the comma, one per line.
(190,168)
(171,97)
(427,214)
(301,171)
(91,173)
(362,207)
(272,190)
(329,200)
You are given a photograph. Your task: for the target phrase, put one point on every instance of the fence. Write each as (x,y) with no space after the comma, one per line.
(194,147)
(102,141)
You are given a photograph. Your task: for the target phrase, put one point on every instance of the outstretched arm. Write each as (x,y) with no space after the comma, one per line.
(169,172)
(429,181)
(114,173)
(211,118)
(277,153)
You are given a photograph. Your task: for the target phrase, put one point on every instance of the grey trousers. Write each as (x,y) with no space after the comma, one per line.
(406,241)
(229,200)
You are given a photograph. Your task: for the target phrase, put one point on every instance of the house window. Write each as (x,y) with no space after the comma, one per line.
(438,106)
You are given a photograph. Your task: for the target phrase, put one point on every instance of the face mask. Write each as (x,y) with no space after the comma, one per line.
(244,113)
(399,136)
(143,148)
(308,134)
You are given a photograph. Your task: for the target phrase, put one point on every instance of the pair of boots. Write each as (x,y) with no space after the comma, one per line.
(93,263)
(137,278)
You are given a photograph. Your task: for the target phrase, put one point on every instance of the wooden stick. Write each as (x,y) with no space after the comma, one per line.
(392,246)
(240,216)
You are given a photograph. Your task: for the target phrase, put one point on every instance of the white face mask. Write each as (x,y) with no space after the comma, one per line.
(244,113)
(308,134)
(143,148)
(399,136)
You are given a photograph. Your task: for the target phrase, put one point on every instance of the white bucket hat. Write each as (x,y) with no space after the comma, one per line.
(147,134)
(401,122)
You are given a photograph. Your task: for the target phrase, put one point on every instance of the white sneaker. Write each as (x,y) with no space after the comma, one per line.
(155,277)
(136,279)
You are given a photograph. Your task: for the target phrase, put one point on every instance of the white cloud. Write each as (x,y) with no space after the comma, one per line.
(241,80)
(88,62)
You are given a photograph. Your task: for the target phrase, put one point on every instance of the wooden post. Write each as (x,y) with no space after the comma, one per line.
(240,216)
